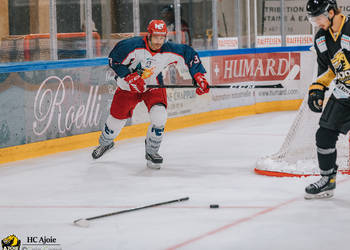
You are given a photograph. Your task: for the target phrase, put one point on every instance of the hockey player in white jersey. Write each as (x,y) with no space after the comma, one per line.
(137,62)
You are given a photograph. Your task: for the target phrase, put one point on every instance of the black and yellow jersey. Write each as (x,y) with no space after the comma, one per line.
(333,54)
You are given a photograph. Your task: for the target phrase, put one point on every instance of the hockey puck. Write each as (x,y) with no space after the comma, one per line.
(214,206)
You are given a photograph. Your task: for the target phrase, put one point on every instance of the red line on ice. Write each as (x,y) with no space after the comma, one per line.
(235,223)
(240,221)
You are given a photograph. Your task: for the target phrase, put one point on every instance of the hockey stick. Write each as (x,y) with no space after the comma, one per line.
(85,222)
(291,75)
(235,86)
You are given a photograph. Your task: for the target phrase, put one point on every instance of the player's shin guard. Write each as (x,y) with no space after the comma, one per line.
(326,140)
(110,131)
(152,144)
(154,136)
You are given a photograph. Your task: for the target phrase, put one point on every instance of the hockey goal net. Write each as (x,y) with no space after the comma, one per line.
(297,156)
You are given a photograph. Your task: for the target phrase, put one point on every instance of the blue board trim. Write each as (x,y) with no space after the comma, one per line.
(209,53)
(46,65)
(103,61)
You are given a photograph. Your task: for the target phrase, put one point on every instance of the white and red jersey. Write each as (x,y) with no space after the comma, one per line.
(133,54)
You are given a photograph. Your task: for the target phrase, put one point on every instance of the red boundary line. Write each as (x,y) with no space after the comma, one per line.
(237,222)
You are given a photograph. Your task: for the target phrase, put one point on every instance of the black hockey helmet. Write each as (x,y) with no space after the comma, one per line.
(170,9)
(167,9)
(318,7)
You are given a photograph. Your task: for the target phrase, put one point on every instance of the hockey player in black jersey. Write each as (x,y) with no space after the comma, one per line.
(332,44)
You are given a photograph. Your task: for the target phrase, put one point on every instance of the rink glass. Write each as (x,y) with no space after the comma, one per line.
(65,29)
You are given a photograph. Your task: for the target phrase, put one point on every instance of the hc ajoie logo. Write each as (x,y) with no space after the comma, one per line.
(11,243)
(159,26)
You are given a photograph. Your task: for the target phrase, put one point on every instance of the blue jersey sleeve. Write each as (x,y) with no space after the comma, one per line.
(193,61)
(190,56)
(117,58)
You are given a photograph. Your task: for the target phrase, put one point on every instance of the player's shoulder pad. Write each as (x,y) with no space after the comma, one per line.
(183,50)
(347,18)
(123,48)
(173,47)
(131,43)
(320,41)
(320,33)
(346,28)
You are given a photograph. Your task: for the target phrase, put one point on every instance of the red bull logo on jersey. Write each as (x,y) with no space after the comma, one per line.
(147,73)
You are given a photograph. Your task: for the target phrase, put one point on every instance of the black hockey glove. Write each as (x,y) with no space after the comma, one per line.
(316,97)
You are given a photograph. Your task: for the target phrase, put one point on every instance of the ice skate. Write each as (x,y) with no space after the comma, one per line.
(100,150)
(323,188)
(154,160)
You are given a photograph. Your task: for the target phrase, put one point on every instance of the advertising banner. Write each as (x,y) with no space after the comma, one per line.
(42,105)
(291,71)
(258,68)
(227,42)
(291,40)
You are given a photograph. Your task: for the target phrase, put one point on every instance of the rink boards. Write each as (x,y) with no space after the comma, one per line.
(50,107)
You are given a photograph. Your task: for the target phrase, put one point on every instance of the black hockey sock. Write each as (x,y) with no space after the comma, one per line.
(326,140)
(327,159)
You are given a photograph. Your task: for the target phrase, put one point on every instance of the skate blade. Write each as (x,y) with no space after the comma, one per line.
(106,152)
(152,165)
(322,195)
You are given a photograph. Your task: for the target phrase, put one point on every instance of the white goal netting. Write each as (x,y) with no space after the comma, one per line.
(297,155)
